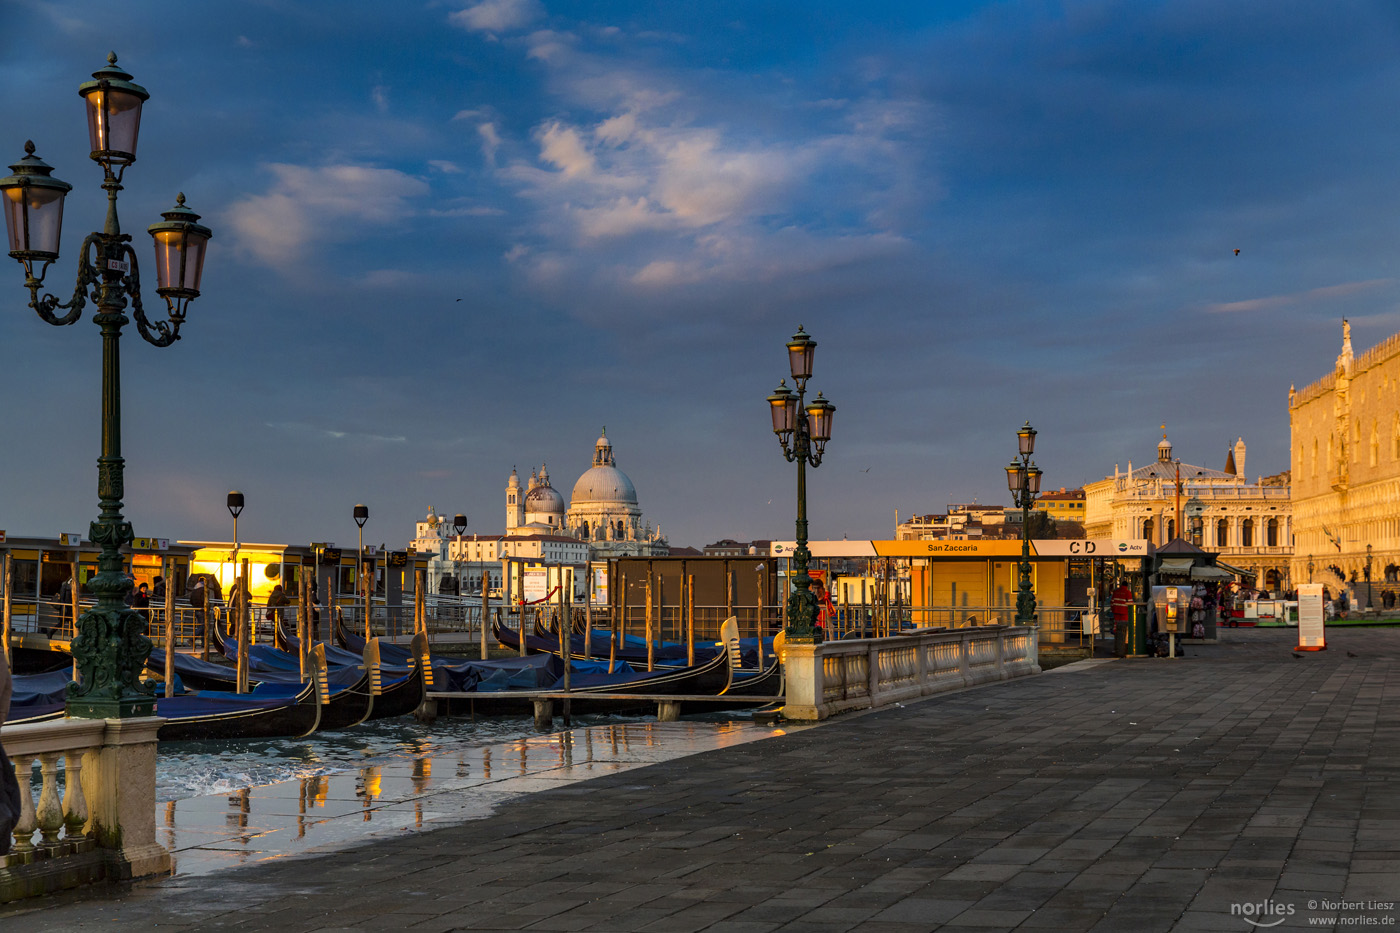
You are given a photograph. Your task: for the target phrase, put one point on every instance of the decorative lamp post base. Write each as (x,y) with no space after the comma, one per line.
(110,651)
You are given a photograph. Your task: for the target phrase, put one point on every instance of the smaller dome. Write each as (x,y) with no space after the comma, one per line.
(544,499)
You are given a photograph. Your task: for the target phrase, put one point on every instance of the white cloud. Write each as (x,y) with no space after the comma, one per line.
(563,147)
(380,96)
(319,204)
(497,15)
(446,167)
(490,141)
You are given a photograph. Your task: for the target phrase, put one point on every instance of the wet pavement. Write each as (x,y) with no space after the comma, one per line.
(1246,786)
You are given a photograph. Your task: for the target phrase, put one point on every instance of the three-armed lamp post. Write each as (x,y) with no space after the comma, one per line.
(1368,578)
(803,428)
(235,508)
(110,647)
(1023,479)
(459,525)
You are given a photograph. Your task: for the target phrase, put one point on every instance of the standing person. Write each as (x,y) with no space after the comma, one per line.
(1122,603)
(141,602)
(275,601)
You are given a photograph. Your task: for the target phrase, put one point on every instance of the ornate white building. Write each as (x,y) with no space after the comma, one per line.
(1346,467)
(1248,524)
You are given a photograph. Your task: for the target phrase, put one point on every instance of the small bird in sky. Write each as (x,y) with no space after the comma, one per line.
(1237,252)
(866,470)
(461,299)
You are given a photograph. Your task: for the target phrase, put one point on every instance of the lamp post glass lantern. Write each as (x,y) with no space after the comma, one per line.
(803,428)
(109,646)
(459,525)
(1023,481)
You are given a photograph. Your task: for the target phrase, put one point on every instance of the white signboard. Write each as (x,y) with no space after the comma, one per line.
(536,584)
(825,548)
(599,577)
(1091,547)
(1311,620)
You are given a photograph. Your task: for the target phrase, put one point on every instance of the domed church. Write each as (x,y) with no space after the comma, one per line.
(603,509)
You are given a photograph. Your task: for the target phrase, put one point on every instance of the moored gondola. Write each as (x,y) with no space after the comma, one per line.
(269,711)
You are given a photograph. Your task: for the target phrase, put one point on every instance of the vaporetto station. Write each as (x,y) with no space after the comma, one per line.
(959,583)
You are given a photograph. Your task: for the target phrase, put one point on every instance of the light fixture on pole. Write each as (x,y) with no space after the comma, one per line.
(803,428)
(235,508)
(361,513)
(1023,480)
(110,648)
(459,525)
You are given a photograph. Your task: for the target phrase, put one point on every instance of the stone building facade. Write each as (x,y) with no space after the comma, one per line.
(1248,524)
(1345,451)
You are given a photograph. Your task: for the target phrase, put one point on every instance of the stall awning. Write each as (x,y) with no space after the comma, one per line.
(1176,565)
(1237,571)
(1210,573)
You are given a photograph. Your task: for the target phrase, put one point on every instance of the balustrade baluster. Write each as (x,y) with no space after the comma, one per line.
(75,808)
(50,814)
(28,822)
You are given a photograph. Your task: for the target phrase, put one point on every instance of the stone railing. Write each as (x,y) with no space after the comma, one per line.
(101,826)
(870,672)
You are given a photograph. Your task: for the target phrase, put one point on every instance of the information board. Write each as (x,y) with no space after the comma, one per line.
(1311,618)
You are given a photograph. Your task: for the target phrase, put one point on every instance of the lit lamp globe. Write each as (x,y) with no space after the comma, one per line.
(783,404)
(33,204)
(114,114)
(180,246)
(801,349)
(819,416)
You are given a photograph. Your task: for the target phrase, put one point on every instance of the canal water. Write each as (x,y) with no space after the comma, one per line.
(199,768)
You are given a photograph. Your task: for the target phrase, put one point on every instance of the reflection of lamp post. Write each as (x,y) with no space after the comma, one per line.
(1368,577)
(1023,479)
(110,647)
(803,428)
(459,525)
(362,516)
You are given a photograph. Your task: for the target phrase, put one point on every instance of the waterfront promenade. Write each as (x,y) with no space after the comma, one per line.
(1241,783)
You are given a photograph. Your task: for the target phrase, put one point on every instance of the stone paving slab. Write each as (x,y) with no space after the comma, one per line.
(1238,787)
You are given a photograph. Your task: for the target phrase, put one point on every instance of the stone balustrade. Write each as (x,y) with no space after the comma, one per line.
(101,826)
(864,673)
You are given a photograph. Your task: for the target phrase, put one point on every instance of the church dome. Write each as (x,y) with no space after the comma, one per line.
(604,483)
(544,499)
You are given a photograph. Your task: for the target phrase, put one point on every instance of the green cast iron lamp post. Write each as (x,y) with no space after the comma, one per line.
(1023,479)
(803,428)
(110,647)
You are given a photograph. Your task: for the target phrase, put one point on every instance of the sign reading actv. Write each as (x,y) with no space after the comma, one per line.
(1081,547)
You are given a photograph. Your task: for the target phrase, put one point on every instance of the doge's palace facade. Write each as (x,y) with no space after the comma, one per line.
(1345,440)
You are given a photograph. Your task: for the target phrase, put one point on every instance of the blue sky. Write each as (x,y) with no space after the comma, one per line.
(452,238)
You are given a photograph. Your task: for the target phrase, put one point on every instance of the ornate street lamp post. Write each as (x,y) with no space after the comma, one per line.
(361,514)
(459,525)
(1310,568)
(110,647)
(803,428)
(1023,479)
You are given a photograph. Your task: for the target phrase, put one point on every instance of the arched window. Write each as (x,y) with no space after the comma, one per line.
(620,532)
(1147,529)
(1375,444)
(1271,533)
(1314,459)
(1171,528)
(1222,533)
(1247,533)
(583,531)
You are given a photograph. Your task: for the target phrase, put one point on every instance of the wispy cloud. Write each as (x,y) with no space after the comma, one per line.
(314,431)
(309,204)
(497,15)
(1274,302)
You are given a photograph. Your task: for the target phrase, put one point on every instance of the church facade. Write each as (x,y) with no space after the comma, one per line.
(1345,452)
(602,520)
